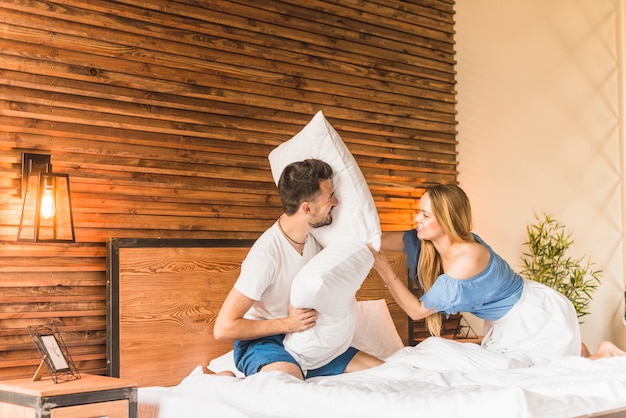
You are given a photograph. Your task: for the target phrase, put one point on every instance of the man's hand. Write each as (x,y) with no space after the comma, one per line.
(301,319)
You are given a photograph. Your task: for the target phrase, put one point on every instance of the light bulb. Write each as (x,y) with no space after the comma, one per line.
(47,203)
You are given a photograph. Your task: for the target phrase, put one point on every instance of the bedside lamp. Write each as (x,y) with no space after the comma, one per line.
(46,210)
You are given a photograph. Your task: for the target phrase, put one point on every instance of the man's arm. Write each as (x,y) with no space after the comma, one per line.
(230,323)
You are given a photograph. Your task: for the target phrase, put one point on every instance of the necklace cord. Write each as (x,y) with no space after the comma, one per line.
(288,237)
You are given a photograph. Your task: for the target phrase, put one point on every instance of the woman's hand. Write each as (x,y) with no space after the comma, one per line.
(381,264)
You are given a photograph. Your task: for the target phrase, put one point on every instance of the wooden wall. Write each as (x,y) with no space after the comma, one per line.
(163,113)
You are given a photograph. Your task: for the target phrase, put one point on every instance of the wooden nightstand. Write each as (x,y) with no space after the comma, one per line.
(89,396)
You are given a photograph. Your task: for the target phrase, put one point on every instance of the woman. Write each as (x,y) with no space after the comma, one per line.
(524,320)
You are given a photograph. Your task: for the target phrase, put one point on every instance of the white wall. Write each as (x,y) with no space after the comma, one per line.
(541,129)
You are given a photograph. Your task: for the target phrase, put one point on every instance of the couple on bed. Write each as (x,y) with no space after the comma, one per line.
(525,320)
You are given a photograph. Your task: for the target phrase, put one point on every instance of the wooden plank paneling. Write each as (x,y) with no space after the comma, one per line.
(163,113)
(62,284)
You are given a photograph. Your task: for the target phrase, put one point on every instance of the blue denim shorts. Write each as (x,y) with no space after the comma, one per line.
(251,355)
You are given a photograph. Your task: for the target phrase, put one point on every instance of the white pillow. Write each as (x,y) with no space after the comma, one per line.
(328,283)
(355,217)
(329,338)
(330,280)
(375,333)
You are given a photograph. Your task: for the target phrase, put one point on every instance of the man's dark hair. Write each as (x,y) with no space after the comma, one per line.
(300,182)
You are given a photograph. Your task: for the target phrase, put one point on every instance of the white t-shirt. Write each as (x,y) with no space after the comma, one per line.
(268,270)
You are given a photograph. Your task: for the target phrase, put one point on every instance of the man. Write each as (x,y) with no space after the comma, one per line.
(256,312)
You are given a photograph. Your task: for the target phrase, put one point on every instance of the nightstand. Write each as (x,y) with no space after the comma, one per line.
(89,396)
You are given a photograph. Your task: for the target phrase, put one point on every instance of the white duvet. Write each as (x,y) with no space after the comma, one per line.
(436,379)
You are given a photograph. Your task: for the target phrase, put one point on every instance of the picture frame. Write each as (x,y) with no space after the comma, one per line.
(56,358)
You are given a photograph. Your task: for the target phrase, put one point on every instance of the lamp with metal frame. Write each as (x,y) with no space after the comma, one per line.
(47,209)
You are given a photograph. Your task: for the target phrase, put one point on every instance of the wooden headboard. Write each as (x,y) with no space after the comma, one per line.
(163,296)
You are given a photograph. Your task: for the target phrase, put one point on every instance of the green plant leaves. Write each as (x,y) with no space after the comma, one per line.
(546,261)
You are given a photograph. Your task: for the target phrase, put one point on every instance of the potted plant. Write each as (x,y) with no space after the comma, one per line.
(547,262)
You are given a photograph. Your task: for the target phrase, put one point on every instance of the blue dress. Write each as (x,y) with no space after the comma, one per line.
(525,320)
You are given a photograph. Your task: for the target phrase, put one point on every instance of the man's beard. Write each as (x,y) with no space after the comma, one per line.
(322,222)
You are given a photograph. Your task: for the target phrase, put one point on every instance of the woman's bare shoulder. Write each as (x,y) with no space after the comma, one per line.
(471,259)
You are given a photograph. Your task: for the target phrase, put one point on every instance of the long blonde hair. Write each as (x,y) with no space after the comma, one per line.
(451,207)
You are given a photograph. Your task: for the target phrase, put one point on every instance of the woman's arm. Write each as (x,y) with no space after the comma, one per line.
(398,288)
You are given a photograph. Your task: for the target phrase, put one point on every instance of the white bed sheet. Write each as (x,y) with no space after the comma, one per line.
(164,402)
(435,379)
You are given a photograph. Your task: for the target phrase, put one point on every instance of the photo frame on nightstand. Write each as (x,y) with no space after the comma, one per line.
(56,357)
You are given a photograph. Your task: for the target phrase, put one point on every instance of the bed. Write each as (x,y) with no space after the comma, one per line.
(163,296)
